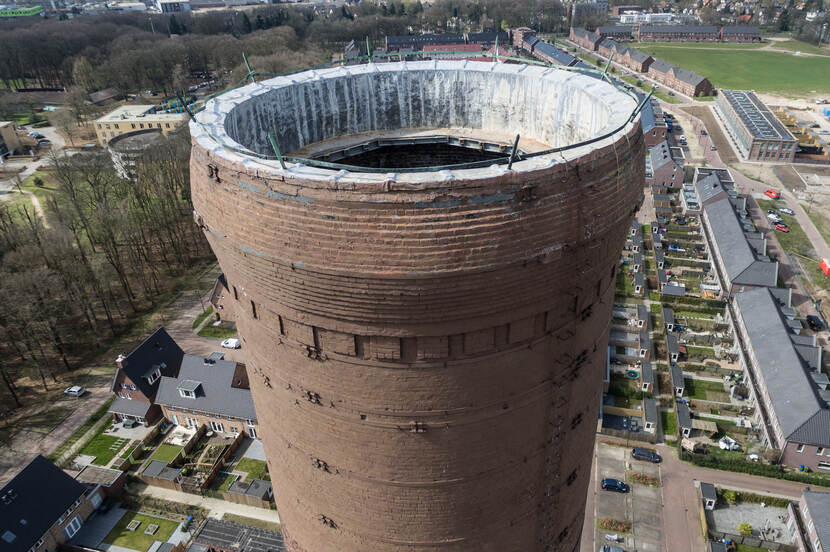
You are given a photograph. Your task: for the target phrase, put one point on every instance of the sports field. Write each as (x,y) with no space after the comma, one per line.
(749,67)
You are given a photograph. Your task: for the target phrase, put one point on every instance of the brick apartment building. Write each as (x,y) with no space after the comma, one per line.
(42,507)
(584,39)
(553,55)
(814,514)
(654,128)
(620,33)
(211,392)
(740,33)
(520,35)
(137,378)
(633,59)
(739,256)
(679,79)
(678,33)
(664,166)
(784,370)
(754,128)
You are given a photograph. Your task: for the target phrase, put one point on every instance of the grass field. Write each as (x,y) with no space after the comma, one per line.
(669,423)
(78,433)
(794,241)
(137,540)
(746,67)
(256,469)
(217,331)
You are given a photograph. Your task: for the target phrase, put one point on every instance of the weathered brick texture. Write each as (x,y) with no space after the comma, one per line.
(426,359)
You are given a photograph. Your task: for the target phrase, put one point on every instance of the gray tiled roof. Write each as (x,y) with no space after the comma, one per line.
(642,313)
(708,188)
(792,393)
(215,394)
(684,416)
(129,407)
(741,29)
(617,29)
(675,29)
(647,373)
(819,506)
(650,410)
(159,469)
(673,347)
(677,376)
(586,35)
(660,66)
(43,492)
(687,76)
(736,254)
(660,155)
(157,351)
(668,315)
(815,431)
(638,55)
(560,56)
(707,490)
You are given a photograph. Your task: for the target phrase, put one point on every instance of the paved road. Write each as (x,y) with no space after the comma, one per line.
(681,523)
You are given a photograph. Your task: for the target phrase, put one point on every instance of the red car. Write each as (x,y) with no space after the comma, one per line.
(772,194)
(782,228)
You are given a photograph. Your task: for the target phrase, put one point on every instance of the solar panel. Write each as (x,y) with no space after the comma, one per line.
(757,118)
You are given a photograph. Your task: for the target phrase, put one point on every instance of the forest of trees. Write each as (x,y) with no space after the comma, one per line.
(108,249)
(127,54)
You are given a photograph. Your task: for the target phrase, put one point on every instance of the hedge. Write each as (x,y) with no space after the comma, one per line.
(753,468)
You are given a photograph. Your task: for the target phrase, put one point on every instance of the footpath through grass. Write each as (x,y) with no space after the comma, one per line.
(100,413)
(748,68)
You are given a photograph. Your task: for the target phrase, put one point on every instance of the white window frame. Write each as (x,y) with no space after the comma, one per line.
(216,426)
(187,394)
(819,451)
(799,448)
(73,527)
(154,377)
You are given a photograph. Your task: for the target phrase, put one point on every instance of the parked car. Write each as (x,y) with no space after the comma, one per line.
(231,343)
(713,147)
(772,194)
(645,454)
(703,132)
(74,391)
(815,323)
(614,485)
(129,423)
(774,218)
(35,134)
(782,228)
(787,211)
(610,548)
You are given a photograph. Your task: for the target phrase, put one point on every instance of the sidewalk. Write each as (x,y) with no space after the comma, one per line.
(216,506)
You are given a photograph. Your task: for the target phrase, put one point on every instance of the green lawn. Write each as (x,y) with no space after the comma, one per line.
(201,317)
(669,423)
(217,331)
(794,241)
(223,481)
(137,540)
(697,389)
(798,46)
(104,448)
(821,220)
(744,67)
(78,433)
(166,453)
(256,469)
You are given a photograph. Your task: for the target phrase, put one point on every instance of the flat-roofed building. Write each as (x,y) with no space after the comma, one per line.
(782,367)
(757,132)
(130,118)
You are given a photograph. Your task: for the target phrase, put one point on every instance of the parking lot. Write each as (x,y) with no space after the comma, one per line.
(641,506)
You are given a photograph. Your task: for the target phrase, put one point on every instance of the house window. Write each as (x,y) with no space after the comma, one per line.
(132,125)
(107,127)
(810,525)
(140,125)
(234,430)
(166,125)
(217,427)
(73,527)
(820,451)
(99,126)
(250,423)
(116,126)
(799,448)
(187,394)
(39,543)
(823,466)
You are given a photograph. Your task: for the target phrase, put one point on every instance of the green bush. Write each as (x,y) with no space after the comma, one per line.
(754,468)
(730,497)
(745,529)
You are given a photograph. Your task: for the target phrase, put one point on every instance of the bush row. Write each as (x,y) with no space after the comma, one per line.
(754,468)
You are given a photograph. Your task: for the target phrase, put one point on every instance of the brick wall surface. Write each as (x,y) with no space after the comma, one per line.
(425,361)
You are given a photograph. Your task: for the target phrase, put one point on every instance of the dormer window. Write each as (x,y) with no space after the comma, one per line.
(189,388)
(153,376)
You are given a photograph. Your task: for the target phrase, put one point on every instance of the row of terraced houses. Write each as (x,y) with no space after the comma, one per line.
(675,33)
(670,75)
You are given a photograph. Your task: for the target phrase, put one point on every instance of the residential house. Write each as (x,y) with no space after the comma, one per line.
(814,514)
(220,300)
(585,39)
(677,380)
(521,35)
(650,415)
(646,377)
(416,42)
(108,480)
(709,495)
(668,319)
(213,392)
(637,262)
(740,33)
(253,493)
(678,33)
(9,140)
(654,129)
(42,507)
(453,51)
(642,317)
(784,371)
(137,377)
(679,79)
(130,118)
(659,257)
(739,253)
(553,55)
(619,33)
(664,166)
(644,342)
(639,283)
(673,348)
(684,419)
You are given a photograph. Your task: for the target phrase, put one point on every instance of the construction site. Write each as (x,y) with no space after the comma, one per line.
(422,258)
